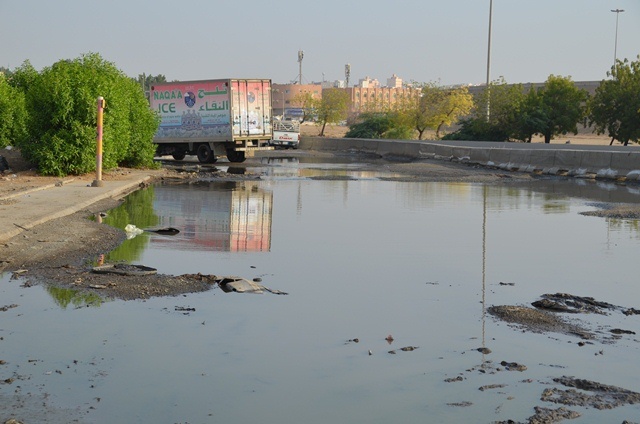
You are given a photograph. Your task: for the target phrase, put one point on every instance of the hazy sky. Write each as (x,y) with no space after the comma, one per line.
(420,40)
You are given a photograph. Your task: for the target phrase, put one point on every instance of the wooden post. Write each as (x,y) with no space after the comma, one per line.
(98,181)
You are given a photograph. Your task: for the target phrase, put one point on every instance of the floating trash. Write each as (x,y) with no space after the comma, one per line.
(132,231)
(242,285)
(169,231)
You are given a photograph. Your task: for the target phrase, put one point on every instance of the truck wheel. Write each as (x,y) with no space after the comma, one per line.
(235,156)
(205,155)
(179,155)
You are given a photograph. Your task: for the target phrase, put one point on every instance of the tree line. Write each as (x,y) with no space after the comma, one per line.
(500,112)
(51,115)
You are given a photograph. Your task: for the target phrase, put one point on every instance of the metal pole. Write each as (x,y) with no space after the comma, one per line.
(98,181)
(489,60)
(615,49)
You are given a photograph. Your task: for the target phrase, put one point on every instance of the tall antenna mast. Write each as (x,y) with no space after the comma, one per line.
(347,73)
(300,57)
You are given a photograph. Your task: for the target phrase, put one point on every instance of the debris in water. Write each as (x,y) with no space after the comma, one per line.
(604,397)
(7,307)
(513,366)
(132,231)
(124,269)
(242,285)
(184,309)
(491,386)
(564,302)
(169,231)
(460,404)
(621,331)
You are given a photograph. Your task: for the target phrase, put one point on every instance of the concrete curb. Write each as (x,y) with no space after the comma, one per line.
(606,162)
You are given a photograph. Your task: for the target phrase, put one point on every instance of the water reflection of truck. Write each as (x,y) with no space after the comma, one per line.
(215,216)
(213,118)
(286,134)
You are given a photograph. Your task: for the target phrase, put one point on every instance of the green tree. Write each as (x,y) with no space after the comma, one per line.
(308,104)
(13,114)
(61,102)
(147,81)
(563,107)
(615,106)
(497,123)
(332,108)
(23,76)
(437,106)
(530,117)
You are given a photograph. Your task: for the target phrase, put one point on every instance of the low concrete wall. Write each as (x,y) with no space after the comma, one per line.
(613,162)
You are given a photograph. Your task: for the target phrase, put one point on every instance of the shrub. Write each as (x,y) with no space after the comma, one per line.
(373,125)
(13,114)
(61,102)
(478,129)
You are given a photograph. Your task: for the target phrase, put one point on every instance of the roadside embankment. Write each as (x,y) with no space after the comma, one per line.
(584,161)
(25,209)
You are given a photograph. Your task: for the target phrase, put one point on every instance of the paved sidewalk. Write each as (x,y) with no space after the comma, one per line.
(25,210)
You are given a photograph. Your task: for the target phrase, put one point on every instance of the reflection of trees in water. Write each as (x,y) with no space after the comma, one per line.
(65,297)
(137,209)
(627,225)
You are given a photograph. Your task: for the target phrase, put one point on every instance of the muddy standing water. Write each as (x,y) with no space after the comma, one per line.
(361,258)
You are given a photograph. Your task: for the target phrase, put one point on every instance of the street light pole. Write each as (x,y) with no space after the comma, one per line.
(615,49)
(283,104)
(489,60)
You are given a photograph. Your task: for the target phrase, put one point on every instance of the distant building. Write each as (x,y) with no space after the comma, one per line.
(333,84)
(376,99)
(394,82)
(283,95)
(367,82)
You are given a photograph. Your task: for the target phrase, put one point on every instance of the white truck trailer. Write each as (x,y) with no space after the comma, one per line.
(213,118)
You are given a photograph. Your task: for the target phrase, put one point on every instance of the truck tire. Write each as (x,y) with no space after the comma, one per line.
(235,156)
(205,154)
(179,155)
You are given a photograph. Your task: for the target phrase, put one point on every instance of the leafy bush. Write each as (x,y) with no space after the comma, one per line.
(478,129)
(373,126)
(61,101)
(13,114)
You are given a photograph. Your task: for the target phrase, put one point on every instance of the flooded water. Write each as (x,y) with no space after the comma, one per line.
(361,258)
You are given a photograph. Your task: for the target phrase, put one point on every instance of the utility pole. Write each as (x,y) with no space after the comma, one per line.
(615,49)
(489,62)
